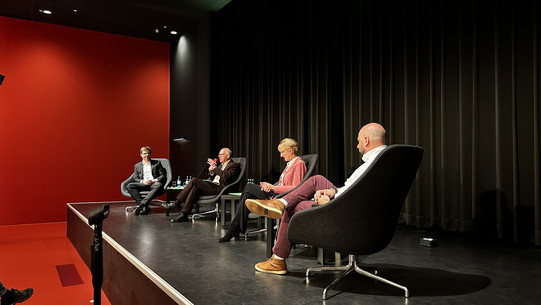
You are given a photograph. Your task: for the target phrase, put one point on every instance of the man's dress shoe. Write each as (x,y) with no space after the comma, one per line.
(182,217)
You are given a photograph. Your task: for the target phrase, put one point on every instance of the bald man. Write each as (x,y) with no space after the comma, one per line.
(371,140)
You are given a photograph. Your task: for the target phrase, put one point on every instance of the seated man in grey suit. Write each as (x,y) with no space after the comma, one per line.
(148,175)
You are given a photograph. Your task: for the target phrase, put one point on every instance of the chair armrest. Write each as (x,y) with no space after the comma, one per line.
(124,186)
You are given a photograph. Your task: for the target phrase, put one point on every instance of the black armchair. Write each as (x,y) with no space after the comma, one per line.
(166,165)
(362,220)
(206,199)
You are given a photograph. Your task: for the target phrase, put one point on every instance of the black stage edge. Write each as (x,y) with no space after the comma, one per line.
(126,280)
(149,260)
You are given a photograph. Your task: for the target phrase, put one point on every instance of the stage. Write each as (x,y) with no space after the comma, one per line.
(148,260)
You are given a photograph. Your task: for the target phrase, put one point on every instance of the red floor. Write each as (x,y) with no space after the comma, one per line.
(29,256)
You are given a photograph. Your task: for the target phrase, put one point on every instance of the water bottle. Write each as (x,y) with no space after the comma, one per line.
(179,182)
(187,180)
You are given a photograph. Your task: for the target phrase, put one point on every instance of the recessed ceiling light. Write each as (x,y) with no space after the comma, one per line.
(46,12)
(75,11)
(173,32)
(157,31)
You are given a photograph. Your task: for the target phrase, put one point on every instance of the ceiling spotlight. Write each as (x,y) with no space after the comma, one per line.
(157,31)
(46,12)
(173,32)
(75,11)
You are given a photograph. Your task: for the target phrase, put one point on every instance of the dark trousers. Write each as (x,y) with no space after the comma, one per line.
(154,190)
(195,188)
(251,191)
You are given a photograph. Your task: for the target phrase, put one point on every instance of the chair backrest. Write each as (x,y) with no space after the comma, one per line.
(363,219)
(242,162)
(212,198)
(310,162)
(166,165)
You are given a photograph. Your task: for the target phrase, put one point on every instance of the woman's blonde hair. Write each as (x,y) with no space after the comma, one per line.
(288,143)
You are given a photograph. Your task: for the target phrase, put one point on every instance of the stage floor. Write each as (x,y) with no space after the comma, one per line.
(196,268)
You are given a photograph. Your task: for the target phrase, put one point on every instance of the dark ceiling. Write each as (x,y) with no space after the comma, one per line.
(137,18)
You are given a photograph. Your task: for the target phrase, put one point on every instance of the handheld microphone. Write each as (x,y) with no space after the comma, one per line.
(215,160)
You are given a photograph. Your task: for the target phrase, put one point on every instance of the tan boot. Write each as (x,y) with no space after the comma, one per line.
(268,208)
(273,265)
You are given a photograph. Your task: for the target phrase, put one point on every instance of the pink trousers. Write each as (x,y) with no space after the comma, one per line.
(298,200)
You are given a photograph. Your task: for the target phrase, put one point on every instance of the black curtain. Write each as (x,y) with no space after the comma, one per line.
(459,78)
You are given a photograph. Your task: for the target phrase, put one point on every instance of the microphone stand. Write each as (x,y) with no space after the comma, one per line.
(96,263)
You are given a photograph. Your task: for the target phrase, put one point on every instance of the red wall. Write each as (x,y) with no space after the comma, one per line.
(75,108)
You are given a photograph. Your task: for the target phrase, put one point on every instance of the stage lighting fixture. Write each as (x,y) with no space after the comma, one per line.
(428,242)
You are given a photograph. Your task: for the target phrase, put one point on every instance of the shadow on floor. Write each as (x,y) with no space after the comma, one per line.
(420,282)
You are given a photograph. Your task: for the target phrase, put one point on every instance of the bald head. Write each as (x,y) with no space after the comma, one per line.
(370,136)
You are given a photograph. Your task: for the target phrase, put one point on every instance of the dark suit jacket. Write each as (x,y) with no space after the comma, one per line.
(158,172)
(230,173)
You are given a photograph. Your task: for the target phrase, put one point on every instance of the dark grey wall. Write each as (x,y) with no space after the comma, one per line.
(190,100)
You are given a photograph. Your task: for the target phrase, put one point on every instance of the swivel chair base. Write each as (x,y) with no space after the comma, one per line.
(215,211)
(352,266)
(129,209)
